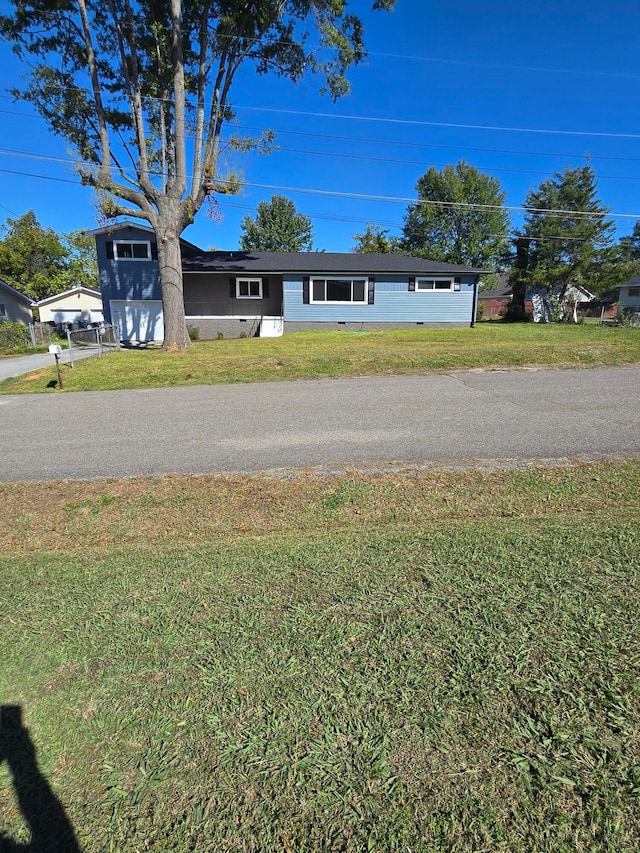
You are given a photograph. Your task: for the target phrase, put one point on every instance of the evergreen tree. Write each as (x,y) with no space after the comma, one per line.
(277,228)
(566,236)
(630,246)
(458,218)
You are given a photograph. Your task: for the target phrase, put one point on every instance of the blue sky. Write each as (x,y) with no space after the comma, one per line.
(518,93)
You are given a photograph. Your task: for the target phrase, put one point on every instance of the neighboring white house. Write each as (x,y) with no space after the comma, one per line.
(80,306)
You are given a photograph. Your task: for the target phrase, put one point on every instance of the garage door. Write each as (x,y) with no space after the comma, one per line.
(138,321)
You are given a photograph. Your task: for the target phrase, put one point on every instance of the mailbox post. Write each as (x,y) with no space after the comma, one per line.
(56,350)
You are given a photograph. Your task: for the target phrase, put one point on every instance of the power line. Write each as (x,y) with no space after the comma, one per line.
(344,156)
(433,145)
(417,123)
(382,198)
(360,220)
(400,121)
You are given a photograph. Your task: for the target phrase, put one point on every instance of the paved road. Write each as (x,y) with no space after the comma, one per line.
(16,365)
(497,417)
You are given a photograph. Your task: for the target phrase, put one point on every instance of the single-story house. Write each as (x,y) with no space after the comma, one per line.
(80,306)
(15,307)
(267,293)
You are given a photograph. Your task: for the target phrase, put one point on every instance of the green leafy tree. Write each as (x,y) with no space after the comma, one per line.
(277,227)
(32,258)
(375,240)
(459,218)
(143,88)
(82,260)
(566,239)
(40,262)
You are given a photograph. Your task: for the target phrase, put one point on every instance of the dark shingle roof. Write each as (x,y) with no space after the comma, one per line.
(316,262)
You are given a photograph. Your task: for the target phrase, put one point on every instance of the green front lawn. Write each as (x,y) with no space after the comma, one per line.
(333,354)
(441,662)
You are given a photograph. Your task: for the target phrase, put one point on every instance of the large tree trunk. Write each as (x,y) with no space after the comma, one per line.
(170,261)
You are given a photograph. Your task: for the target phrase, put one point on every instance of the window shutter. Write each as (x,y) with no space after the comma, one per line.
(109,247)
(154,251)
(412,283)
(305,289)
(265,288)
(371,291)
(232,287)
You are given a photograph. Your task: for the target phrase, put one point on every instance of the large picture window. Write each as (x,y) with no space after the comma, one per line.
(248,288)
(131,250)
(339,290)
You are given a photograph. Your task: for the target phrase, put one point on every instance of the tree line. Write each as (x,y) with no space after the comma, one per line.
(459,217)
(566,239)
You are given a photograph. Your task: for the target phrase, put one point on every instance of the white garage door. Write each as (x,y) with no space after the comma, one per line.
(138,321)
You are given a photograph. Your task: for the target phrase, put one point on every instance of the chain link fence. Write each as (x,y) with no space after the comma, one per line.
(101,338)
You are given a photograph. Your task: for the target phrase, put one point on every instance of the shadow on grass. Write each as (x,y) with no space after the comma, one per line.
(51,831)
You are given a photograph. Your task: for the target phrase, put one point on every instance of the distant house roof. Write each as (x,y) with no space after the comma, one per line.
(504,290)
(632,282)
(313,262)
(90,291)
(17,293)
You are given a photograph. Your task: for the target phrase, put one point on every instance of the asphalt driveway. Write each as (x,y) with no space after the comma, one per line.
(16,365)
(474,417)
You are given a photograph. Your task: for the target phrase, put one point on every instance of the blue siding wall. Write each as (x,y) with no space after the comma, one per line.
(126,279)
(393,303)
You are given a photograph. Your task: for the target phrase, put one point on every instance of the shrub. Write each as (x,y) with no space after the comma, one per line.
(13,336)
(512,314)
(220,336)
(194,333)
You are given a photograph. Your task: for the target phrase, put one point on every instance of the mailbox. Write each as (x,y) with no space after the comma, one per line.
(55,349)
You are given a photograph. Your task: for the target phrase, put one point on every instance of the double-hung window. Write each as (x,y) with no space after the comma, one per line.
(132,250)
(248,288)
(341,290)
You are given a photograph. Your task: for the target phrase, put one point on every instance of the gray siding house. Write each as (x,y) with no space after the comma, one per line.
(629,297)
(268,293)
(15,307)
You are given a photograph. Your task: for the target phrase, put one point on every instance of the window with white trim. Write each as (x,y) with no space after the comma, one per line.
(132,250)
(248,288)
(338,290)
(434,284)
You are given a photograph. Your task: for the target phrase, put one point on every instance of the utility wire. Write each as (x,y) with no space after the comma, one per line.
(417,123)
(8,152)
(386,199)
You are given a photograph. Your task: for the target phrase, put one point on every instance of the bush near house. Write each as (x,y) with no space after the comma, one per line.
(13,336)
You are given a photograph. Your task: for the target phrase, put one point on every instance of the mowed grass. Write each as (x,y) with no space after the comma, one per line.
(445,661)
(307,355)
